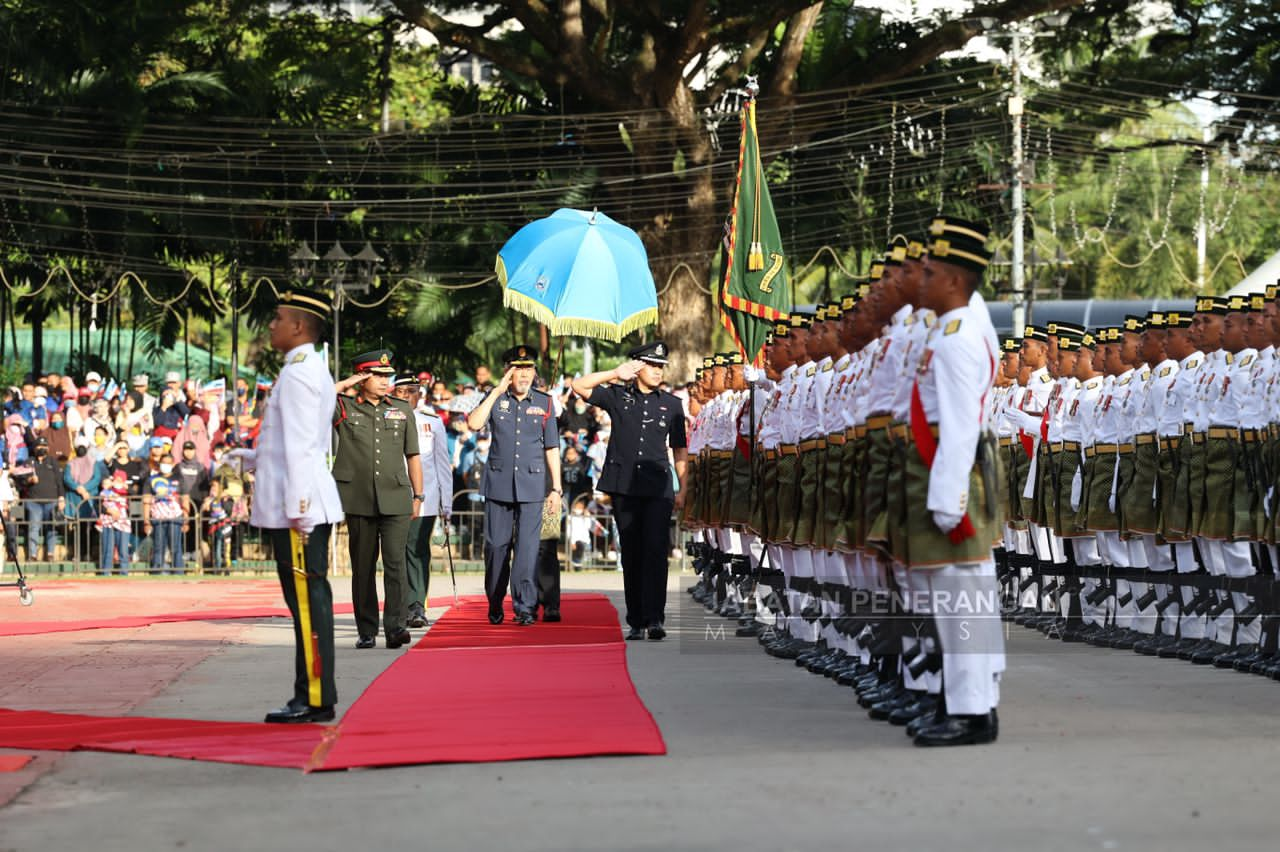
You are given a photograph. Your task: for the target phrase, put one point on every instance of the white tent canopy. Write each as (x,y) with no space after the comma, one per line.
(1258,280)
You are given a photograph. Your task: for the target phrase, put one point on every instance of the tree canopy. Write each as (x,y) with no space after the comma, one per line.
(195,144)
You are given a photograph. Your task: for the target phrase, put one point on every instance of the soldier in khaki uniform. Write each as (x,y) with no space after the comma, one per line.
(380,482)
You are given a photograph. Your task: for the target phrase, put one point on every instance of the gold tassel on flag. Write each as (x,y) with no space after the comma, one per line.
(755,258)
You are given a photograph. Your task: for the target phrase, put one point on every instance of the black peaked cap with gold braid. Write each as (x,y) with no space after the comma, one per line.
(310,301)
(959,242)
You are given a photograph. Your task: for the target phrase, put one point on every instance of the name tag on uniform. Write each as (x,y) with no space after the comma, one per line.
(537,412)
(394,414)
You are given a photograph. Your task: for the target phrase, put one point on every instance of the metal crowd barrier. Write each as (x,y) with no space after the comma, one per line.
(62,544)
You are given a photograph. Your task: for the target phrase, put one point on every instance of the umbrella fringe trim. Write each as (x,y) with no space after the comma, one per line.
(578,326)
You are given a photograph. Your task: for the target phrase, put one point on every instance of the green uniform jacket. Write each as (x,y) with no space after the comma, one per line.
(370,467)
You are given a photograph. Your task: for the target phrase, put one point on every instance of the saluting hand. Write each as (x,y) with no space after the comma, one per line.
(351,381)
(507,378)
(629,370)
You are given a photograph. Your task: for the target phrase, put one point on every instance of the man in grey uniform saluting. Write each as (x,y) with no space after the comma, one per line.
(525,447)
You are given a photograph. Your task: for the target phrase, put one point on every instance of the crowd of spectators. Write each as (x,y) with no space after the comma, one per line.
(134,476)
(121,475)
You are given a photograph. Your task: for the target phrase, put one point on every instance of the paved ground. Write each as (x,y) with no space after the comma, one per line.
(1098,750)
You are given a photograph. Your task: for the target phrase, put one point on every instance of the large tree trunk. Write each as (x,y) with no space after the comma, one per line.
(682,239)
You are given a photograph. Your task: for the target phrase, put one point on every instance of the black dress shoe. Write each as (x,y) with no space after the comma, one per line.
(496,617)
(524,619)
(752,629)
(295,713)
(399,638)
(1227,659)
(1266,661)
(958,730)
(1171,651)
(365,642)
(927,720)
(907,714)
(417,618)
(881,711)
(1206,655)
(551,616)
(657,632)
(1074,633)
(635,633)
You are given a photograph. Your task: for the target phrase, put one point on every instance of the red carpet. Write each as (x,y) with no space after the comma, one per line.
(14,762)
(469,692)
(29,628)
(223,742)
(588,620)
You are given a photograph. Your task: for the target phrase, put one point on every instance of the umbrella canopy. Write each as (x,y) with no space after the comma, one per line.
(579,273)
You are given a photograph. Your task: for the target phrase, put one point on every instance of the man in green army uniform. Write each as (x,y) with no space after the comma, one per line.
(380,482)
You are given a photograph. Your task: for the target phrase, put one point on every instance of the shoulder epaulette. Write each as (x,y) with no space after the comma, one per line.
(1193,363)
(828,367)
(1045,379)
(1096,381)
(1146,374)
(1231,358)
(1166,371)
(952,327)
(1246,360)
(1125,380)
(812,371)
(299,358)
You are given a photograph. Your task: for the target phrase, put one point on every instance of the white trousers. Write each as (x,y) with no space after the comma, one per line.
(965,602)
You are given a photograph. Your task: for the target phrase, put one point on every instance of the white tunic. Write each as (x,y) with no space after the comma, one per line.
(293,485)
(956,376)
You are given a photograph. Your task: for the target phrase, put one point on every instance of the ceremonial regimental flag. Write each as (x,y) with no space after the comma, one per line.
(756,291)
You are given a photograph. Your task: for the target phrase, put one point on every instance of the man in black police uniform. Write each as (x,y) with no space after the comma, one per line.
(637,475)
(525,448)
(380,480)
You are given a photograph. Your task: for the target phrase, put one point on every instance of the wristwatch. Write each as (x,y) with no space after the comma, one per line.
(419,497)
(559,491)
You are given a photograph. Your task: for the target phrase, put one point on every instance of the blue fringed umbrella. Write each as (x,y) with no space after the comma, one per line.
(579,273)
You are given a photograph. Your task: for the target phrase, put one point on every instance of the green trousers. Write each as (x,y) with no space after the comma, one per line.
(417,560)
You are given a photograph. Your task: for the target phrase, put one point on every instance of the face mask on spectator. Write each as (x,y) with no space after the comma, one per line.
(93,388)
(166,468)
(56,424)
(579,407)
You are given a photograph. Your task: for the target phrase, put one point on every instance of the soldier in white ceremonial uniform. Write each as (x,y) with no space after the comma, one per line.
(952,534)
(296,499)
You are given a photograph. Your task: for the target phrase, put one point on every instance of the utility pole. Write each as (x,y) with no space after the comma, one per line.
(1202,227)
(1016,269)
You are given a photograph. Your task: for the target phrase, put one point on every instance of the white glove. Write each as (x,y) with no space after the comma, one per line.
(302,526)
(946,521)
(1077,485)
(752,374)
